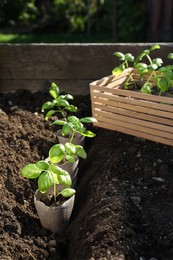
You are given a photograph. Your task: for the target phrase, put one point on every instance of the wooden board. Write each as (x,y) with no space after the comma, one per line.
(34,66)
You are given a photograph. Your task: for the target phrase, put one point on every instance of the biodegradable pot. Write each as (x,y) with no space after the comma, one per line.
(77,140)
(54,219)
(70,167)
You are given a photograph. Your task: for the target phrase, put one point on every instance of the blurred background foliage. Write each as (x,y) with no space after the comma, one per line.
(73,20)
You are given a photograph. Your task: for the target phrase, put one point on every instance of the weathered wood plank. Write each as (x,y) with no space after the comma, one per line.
(75,87)
(23,64)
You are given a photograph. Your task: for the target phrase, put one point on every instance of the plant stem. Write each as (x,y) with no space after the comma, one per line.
(72,136)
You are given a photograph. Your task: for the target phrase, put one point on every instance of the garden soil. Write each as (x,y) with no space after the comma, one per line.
(124,194)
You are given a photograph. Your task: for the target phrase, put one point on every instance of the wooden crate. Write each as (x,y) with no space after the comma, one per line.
(130,112)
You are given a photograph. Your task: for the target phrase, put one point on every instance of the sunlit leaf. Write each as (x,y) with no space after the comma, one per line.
(65,179)
(45,181)
(50,113)
(154,47)
(56,153)
(117,71)
(31,171)
(164,83)
(146,88)
(42,165)
(129,57)
(170,56)
(80,152)
(54,90)
(120,55)
(68,192)
(47,105)
(88,120)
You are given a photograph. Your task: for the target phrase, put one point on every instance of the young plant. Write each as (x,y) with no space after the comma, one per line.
(75,125)
(60,153)
(49,174)
(153,74)
(59,105)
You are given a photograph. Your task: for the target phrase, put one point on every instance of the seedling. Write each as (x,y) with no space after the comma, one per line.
(70,124)
(155,76)
(75,125)
(49,174)
(59,105)
(60,153)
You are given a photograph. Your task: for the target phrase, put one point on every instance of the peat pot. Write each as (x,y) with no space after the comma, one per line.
(78,138)
(54,219)
(131,112)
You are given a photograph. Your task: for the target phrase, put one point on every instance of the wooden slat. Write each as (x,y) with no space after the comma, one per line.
(136,122)
(133,94)
(127,106)
(132,101)
(136,133)
(132,114)
(138,128)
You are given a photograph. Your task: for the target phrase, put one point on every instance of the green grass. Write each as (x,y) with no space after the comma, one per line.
(51,38)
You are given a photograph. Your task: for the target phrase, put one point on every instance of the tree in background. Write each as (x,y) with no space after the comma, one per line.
(118,20)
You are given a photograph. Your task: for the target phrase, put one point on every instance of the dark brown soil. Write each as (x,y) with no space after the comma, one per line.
(124,198)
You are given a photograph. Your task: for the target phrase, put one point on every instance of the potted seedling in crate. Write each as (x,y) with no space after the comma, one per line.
(137,98)
(149,78)
(73,129)
(54,198)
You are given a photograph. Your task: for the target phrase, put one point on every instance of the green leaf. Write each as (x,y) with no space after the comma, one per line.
(70,158)
(47,105)
(141,55)
(154,47)
(59,122)
(70,148)
(164,83)
(49,114)
(158,62)
(88,120)
(77,125)
(141,66)
(45,181)
(67,97)
(146,88)
(169,74)
(169,67)
(129,57)
(56,169)
(80,152)
(65,179)
(170,56)
(54,90)
(88,133)
(120,55)
(68,192)
(66,129)
(117,71)
(62,102)
(42,165)
(152,67)
(57,153)
(72,108)
(31,171)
